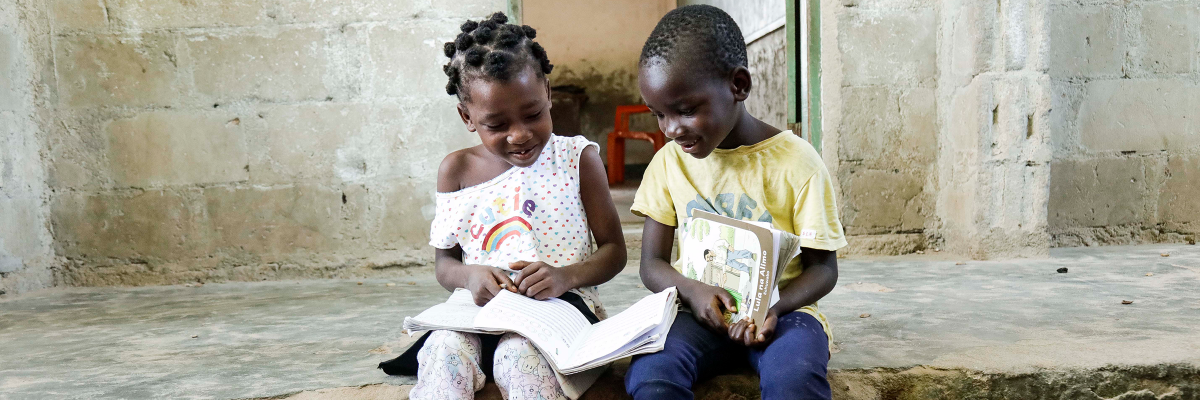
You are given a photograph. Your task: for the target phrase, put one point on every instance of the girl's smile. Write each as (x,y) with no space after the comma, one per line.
(511,117)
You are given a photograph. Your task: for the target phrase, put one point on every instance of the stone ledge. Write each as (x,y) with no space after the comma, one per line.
(1152,382)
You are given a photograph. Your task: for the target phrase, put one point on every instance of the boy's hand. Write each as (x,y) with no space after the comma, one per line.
(744,331)
(708,304)
(485,282)
(540,280)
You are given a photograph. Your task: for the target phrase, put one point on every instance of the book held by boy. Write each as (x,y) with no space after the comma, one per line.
(560,332)
(742,257)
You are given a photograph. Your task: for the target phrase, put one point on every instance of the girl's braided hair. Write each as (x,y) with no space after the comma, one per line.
(492,48)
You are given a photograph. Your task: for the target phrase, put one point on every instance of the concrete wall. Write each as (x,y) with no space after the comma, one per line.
(880,108)
(26,252)
(596,45)
(761,22)
(248,139)
(1126,88)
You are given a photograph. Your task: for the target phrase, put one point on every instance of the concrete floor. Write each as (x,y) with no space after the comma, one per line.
(246,340)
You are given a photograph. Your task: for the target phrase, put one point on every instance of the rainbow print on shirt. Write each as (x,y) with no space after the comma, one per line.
(509,228)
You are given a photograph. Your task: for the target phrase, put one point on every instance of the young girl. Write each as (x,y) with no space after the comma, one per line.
(517,213)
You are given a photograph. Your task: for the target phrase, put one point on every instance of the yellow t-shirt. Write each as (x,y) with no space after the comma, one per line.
(781,180)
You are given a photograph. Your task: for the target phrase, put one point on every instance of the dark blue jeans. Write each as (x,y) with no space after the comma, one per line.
(792,366)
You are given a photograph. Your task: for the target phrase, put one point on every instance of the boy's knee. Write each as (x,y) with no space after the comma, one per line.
(657,375)
(789,377)
(658,389)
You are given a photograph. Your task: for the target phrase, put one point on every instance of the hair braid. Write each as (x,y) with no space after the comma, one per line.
(494,49)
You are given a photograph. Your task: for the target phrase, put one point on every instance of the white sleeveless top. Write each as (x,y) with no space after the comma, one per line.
(533,213)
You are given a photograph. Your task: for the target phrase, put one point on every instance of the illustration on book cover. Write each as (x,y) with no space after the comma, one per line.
(722,256)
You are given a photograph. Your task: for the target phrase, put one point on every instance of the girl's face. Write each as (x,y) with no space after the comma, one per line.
(512,118)
(695,110)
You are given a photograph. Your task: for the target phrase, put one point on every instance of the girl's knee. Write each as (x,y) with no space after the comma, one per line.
(523,373)
(441,343)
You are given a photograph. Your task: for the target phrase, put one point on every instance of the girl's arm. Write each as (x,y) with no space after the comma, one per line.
(541,281)
(483,281)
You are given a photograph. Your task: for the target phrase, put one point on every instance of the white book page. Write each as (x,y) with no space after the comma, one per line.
(551,324)
(610,335)
(457,313)
(649,342)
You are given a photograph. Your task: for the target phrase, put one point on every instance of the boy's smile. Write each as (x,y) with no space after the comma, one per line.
(696,110)
(511,117)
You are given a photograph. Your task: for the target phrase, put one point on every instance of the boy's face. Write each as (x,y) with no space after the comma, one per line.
(512,118)
(696,110)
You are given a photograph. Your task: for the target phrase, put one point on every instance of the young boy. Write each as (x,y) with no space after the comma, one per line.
(693,77)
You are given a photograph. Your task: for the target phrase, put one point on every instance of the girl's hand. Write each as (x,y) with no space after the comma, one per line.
(540,280)
(707,302)
(744,331)
(485,282)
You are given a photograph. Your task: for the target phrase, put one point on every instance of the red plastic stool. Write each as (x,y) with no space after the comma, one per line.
(616,141)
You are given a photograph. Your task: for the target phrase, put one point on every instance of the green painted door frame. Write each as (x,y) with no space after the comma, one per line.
(804,68)
(514,11)
(804,65)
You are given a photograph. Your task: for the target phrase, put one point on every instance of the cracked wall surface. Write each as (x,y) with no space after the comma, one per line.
(1126,87)
(247,139)
(880,120)
(1002,129)
(160,141)
(26,253)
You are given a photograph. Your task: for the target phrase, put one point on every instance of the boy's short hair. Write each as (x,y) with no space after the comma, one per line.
(701,35)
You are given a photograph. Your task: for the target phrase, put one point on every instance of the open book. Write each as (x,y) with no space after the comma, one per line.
(556,328)
(742,257)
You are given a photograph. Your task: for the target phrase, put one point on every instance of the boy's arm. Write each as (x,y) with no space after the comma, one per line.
(657,274)
(818,279)
(542,281)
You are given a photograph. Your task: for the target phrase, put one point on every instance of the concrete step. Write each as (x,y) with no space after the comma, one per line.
(904,327)
(1159,382)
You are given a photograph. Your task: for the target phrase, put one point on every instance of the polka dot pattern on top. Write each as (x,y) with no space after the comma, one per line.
(533,213)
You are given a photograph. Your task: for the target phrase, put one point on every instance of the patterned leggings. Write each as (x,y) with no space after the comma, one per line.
(449,369)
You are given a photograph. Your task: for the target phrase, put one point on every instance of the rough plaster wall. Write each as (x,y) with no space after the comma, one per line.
(994,136)
(1126,87)
(596,45)
(248,139)
(767,58)
(26,253)
(879,70)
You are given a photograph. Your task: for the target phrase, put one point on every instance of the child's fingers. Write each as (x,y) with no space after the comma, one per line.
(768,329)
(503,281)
(524,271)
(735,331)
(749,335)
(539,290)
(713,315)
(727,300)
(529,277)
(518,265)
